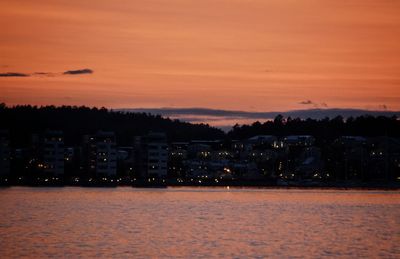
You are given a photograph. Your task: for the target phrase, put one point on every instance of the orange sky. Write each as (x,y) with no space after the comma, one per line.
(255,55)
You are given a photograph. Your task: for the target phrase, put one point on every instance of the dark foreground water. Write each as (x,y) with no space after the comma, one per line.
(198,222)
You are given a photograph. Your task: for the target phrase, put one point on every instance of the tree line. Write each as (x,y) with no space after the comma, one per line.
(75,121)
(324,130)
(24,120)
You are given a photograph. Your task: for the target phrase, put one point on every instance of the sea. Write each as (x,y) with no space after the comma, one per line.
(125,222)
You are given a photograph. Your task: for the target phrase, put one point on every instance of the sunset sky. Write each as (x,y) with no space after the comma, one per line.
(248,55)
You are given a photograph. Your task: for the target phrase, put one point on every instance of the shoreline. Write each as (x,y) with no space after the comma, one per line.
(266,187)
(103,182)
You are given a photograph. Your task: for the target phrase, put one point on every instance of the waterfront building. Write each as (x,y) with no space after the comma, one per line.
(125,161)
(299,140)
(261,140)
(52,148)
(351,141)
(100,154)
(4,153)
(178,150)
(176,156)
(151,155)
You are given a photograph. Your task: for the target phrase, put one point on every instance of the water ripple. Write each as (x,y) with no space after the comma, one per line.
(198,223)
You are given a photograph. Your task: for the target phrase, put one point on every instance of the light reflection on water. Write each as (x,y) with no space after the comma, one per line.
(198,222)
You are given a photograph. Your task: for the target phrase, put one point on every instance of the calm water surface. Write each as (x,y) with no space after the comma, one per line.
(198,222)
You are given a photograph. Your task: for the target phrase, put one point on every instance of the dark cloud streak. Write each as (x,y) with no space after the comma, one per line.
(13,74)
(44,74)
(316,105)
(48,74)
(78,72)
(306,102)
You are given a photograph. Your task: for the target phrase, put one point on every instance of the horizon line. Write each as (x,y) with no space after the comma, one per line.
(226,119)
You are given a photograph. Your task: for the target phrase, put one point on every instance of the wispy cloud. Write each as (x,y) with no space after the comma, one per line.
(45,74)
(383,107)
(315,104)
(306,102)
